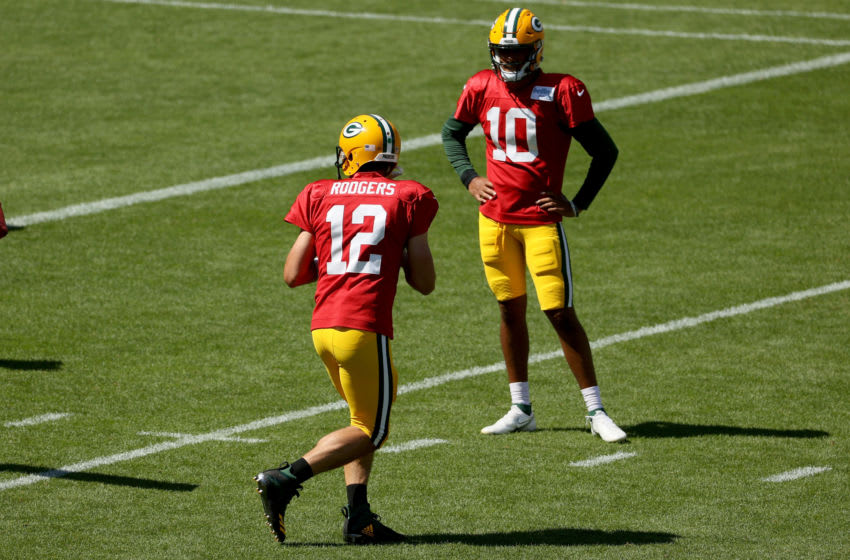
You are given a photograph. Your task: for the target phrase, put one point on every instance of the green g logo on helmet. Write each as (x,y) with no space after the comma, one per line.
(352,129)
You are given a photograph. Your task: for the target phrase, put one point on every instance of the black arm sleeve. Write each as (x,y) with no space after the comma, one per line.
(454,143)
(603,153)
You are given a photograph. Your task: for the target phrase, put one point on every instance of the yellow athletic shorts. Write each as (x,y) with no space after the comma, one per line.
(361,368)
(506,250)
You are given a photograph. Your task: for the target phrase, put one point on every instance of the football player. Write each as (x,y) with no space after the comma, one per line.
(3,229)
(529,119)
(357,233)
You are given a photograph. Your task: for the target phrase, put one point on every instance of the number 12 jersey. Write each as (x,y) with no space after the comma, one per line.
(360,226)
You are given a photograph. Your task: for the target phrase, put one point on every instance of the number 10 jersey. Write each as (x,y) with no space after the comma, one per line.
(528,138)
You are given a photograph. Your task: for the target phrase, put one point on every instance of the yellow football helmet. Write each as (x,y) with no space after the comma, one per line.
(516,44)
(364,139)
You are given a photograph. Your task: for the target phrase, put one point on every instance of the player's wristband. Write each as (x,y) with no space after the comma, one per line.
(467,177)
(574,207)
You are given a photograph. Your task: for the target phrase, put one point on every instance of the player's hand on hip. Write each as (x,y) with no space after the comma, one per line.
(557,204)
(482,189)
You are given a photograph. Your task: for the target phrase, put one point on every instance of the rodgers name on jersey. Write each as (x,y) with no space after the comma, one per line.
(354,187)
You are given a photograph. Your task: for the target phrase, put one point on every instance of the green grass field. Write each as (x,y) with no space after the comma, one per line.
(177,364)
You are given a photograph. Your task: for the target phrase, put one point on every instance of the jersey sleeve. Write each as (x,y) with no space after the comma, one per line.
(299,214)
(574,101)
(466,105)
(423,211)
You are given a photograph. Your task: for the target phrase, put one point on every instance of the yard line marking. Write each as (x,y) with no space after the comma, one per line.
(796,473)
(643,332)
(87,208)
(237,179)
(689,322)
(50,417)
(694,9)
(407,388)
(708,36)
(728,81)
(603,459)
(169,445)
(481,23)
(180,435)
(411,445)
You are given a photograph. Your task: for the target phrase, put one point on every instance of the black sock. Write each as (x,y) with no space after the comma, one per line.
(356,495)
(301,470)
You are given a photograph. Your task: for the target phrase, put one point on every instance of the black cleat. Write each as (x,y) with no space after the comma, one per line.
(276,490)
(364,527)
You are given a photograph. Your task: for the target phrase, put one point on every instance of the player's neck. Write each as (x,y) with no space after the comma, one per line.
(525,82)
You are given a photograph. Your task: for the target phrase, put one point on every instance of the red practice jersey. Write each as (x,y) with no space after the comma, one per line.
(3,229)
(361,226)
(527,138)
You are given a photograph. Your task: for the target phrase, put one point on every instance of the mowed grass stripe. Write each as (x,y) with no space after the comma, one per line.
(633,7)
(487,23)
(416,386)
(246,177)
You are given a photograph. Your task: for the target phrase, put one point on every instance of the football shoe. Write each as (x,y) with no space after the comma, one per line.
(514,421)
(361,526)
(276,491)
(602,425)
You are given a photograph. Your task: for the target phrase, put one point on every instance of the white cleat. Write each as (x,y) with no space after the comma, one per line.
(602,425)
(514,421)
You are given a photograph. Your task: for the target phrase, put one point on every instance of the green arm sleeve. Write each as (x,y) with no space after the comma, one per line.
(603,153)
(454,143)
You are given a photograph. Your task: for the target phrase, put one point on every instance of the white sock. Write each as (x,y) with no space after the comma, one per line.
(592,398)
(519,392)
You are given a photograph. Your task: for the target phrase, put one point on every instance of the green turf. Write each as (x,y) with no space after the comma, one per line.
(172,316)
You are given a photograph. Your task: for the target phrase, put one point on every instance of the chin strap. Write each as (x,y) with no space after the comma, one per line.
(338,163)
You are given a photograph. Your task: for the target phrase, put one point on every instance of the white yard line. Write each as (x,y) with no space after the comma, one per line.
(632,7)
(281,10)
(603,459)
(179,435)
(41,419)
(727,81)
(796,473)
(703,36)
(407,388)
(411,445)
(237,179)
(688,322)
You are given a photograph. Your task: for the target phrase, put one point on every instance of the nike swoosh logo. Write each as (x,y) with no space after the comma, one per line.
(580,93)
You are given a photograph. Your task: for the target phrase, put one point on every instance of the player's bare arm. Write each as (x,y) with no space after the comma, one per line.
(300,267)
(418,265)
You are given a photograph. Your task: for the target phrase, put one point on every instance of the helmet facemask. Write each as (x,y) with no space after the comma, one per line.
(514,63)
